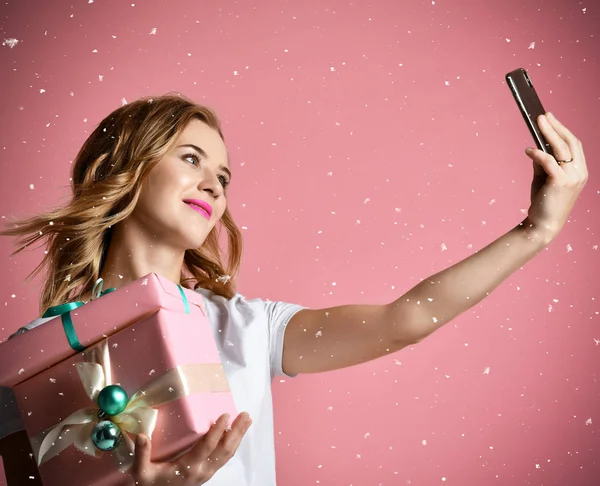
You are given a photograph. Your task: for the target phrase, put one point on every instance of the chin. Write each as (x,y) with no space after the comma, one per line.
(192,243)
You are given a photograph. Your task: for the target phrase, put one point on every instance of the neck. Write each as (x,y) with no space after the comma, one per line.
(133,254)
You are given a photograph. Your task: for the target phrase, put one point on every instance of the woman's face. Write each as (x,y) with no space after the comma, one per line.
(195,171)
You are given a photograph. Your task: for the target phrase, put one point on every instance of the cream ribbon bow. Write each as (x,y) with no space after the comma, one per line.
(138,417)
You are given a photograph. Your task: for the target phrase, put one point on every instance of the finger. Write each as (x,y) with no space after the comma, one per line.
(560,147)
(543,163)
(572,141)
(142,453)
(563,131)
(207,444)
(229,443)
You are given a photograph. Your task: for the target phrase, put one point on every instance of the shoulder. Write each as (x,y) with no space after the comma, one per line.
(239,307)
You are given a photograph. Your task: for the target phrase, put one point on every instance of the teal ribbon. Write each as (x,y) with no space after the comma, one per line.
(186,305)
(64,310)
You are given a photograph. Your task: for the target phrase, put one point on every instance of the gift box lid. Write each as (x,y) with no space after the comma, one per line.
(31,352)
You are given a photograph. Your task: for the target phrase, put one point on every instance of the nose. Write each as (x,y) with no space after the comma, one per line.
(209,182)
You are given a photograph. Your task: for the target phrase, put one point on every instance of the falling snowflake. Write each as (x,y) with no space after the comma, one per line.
(10,42)
(153,31)
(531,46)
(224,279)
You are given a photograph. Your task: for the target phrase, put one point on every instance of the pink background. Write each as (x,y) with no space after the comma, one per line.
(372,146)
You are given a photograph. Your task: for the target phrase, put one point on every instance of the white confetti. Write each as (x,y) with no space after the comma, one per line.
(10,42)
(153,31)
(31,186)
(531,46)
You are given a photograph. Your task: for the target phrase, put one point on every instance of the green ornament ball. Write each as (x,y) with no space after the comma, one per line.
(106,435)
(112,400)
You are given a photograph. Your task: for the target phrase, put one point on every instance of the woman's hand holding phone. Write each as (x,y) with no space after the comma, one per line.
(196,467)
(556,184)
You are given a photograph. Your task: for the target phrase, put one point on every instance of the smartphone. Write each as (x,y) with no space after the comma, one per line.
(529,105)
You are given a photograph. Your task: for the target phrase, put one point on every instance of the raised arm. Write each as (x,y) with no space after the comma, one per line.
(319,340)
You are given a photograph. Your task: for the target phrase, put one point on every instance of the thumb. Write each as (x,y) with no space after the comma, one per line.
(142,453)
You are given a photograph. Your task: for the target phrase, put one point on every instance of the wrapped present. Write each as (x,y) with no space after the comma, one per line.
(161,375)
(79,327)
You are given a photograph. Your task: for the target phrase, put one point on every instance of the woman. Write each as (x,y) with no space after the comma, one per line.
(150,195)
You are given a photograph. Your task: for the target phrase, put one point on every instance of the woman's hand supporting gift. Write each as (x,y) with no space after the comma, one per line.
(196,467)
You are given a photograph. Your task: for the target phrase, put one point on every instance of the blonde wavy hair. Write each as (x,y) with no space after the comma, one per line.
(107,179)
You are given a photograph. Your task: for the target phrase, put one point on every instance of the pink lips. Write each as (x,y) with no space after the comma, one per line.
(200,206)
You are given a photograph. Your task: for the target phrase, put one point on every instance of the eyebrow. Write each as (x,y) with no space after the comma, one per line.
(205,155)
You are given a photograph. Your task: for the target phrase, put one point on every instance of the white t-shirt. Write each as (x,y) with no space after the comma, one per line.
(249,336)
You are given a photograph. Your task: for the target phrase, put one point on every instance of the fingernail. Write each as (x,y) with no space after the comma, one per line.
(226,417)
(549,115)
(528,150)
(140,441)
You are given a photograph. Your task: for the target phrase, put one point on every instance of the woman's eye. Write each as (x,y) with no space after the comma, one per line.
(194,157)
(196,161)
(224,181)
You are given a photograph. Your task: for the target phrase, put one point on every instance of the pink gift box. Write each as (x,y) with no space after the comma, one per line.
(166,337)
(27,354)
